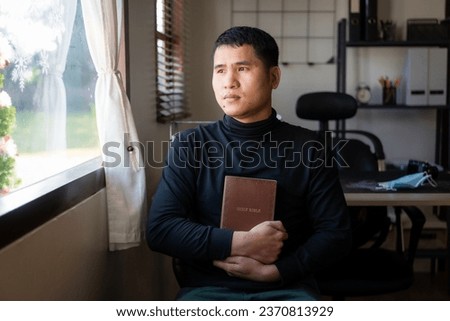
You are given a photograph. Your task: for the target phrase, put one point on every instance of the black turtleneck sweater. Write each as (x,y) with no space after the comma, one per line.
(184,217)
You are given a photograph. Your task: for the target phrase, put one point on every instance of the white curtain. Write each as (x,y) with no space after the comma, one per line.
(124,168)
(50,95)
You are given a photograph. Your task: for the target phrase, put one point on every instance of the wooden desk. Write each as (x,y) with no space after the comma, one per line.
(396,198)
(359,190)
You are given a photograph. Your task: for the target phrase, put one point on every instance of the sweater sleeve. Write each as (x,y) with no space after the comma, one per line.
(171,227)
(331,233)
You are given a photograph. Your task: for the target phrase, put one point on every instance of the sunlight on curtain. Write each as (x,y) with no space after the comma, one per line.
(125,179)
(50,94)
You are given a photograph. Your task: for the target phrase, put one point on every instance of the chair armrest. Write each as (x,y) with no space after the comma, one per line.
(377,145)
(376,142)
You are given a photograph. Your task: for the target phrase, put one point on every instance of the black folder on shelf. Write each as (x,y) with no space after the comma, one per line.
(369,10)
(354,17)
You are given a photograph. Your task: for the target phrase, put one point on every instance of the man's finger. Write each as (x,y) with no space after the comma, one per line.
(277,225)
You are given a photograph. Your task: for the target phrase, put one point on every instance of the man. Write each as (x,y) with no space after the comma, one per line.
(276,260)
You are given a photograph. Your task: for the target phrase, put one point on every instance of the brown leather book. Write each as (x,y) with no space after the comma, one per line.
(247,202)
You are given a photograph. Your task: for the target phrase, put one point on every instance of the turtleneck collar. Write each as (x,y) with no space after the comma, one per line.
(251,129)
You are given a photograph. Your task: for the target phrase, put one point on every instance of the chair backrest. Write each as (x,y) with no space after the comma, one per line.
(324,106)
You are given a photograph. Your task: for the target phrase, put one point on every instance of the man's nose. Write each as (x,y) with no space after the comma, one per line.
(231,80)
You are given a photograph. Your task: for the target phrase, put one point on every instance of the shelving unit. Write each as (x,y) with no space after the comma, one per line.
(402,106)
(442,111)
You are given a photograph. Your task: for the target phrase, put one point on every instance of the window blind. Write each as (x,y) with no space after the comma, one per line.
(171,32)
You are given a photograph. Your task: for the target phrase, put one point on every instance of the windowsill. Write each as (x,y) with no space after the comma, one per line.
(26,208)
(34,167)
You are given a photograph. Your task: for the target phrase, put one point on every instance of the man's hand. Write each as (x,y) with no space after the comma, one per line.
(248,268)
(262,243)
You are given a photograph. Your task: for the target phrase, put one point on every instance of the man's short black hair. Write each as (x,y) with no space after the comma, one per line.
(265,46)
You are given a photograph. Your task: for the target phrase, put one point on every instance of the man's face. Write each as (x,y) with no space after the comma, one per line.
(242,84)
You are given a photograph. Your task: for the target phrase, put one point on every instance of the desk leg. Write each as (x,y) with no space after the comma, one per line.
(444,213)
(447,219)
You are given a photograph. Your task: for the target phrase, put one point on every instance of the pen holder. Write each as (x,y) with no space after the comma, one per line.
(389,96)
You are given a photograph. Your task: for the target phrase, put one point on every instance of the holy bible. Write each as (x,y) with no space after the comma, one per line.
(247,202)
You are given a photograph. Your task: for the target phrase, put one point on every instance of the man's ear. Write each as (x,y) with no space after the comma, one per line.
(275,76)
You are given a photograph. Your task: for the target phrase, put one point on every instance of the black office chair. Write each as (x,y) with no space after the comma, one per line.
(369,269)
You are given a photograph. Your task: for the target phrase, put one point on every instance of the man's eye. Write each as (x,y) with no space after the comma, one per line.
(242,69)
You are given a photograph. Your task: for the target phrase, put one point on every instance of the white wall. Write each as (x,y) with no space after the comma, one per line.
(64,259)
(141,274)
(417,127)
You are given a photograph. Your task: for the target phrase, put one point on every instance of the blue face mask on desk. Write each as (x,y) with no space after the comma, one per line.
(408,181)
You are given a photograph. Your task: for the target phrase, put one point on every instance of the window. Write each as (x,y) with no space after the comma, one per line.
(170,61)
(50,81)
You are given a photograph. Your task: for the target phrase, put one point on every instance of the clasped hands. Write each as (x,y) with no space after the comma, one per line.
(253,253)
